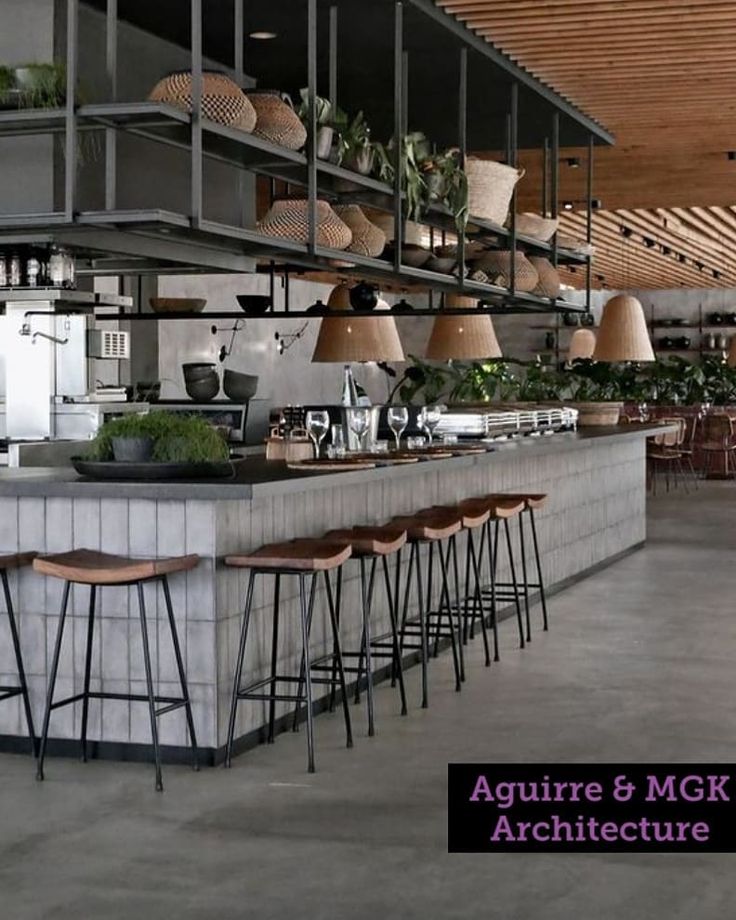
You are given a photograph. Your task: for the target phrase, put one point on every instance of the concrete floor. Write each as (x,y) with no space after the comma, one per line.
(638,666)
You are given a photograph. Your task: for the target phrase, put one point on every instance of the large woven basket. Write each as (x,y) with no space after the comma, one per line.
(277,121)
(223,100)
(368,239)
(497,266)
(549,278)
(289,219)
(597,413)
(536,226)
(490,187)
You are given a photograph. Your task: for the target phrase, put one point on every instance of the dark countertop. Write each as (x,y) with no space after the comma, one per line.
(259,478)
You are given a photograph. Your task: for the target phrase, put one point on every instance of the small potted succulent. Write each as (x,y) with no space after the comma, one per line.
(355,149)
(326,122)
(159,437)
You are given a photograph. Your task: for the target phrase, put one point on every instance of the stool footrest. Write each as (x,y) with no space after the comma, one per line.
(7,692)
(175,701)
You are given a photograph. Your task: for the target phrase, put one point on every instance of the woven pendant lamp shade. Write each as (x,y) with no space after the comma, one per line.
(462,338)
(623,335)
(582,345)
(344,339)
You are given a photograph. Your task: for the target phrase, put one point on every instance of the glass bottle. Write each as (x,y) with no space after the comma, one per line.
(349,391)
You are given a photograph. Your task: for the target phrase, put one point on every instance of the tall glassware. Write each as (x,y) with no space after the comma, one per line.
(397,418)
(429,419)
(359,419)
(318,422)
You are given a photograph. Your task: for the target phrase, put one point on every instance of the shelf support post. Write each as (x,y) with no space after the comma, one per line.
(196,165)
(111,64)
(312,118)
(70,140)
(399,83)
(589,220)
(513,144)
(555,179)
(463,145)
(333,58)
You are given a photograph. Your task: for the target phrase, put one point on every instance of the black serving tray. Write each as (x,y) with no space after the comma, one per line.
(113,470)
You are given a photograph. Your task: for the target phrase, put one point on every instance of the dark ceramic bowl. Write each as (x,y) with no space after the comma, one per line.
(254,304)
(239,387)
(203,390)
(198,370)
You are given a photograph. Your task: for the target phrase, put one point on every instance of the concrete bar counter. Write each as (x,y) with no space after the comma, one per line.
(595,480)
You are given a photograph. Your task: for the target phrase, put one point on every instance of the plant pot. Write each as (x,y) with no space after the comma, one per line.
(238,386)
(325,136)
(361,161)
(132,450)
(593,414)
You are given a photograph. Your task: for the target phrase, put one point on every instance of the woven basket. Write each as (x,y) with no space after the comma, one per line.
(597,413)
(490,187)
(575,245)
(277,121)
(549,279)
(222,99)
(368,239)
(497,266)
(537,227)
(288,219)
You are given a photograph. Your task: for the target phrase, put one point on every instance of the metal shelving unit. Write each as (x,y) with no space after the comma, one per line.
(133,241)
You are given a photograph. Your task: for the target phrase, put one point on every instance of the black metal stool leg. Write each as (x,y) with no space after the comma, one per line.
(478,597)
(303,665)
(492,546)
(87,669)
(52,680)
(338,609)
(340,668)
(524,577)
(397,670)
(456,576)
(19,662)
(239,669)
(366,600)
(149,687)
(540,577)
(304,606)
(182,673)
(445,600)
(514,581)
(274,657)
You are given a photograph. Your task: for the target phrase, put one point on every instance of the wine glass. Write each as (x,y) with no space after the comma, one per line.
(359,420)
(397,418)
(429,419)
(318,421)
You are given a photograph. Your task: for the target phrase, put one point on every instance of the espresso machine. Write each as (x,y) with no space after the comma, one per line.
(49,346)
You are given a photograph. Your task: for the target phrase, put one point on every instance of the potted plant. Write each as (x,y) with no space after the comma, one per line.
(446,183)
(33,86)
(163,437)
(327,122)
(355,148)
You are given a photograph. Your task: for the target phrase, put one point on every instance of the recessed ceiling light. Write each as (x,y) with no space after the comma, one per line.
(567,205)
(263,36)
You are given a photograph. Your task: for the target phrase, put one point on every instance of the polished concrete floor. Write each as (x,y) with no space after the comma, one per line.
(639,666)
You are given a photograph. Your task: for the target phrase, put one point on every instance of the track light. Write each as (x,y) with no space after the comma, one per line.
(626,231)
(649,242)
(731,154)
(263,36)
(573,162)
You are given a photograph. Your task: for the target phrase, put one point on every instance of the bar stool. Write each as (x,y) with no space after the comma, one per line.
(369,545)
(7,562)
(501,508)
(430,528)
(305,558)
(97,570)
(532,501)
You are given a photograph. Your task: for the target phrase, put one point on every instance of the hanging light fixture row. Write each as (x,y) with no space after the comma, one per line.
(651,243)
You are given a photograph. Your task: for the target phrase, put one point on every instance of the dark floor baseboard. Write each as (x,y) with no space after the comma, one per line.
(209,756)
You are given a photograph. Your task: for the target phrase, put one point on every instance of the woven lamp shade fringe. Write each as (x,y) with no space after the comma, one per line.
(490,187)
(582,345)
(344,339)
(623,333)
(289,219)
(497,266)
(368,239)
(223,100)
(462,338)
(549,278)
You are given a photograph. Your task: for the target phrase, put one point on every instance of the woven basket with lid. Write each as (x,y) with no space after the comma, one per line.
(490,187)
(368,239)
(536,226)
(497,266)
(276,120)
(289,219)
(223,100)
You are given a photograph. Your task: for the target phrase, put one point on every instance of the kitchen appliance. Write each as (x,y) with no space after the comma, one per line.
(246,421)
(48,349)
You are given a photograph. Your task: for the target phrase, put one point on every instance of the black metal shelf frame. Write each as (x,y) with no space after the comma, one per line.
(180,239)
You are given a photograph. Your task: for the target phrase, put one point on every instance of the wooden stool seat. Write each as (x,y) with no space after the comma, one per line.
(16,560)
(503,507)
(474,514)
(428,526)
(89,567)
(370,541)
(304,555)
(530,499)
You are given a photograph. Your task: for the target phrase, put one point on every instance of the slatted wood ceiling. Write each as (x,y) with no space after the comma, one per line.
(661,75)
